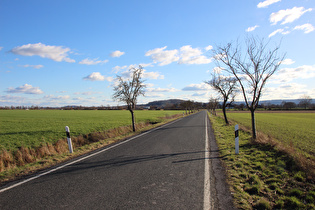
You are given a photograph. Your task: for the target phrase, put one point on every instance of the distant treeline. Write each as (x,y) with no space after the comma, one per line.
(176,105)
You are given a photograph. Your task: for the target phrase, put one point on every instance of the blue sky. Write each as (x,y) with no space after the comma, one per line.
(56,53)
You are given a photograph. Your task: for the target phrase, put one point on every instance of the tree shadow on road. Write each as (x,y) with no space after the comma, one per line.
(119,161)
(127,160)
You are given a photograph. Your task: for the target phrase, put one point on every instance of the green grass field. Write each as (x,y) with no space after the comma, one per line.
(295,128)
(31,128)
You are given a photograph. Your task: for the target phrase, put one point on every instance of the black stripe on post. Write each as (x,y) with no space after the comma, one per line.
(236,133)
(68,134)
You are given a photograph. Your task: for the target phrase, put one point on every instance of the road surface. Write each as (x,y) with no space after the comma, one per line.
(176,166)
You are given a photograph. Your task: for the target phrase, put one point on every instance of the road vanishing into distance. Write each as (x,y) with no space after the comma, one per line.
(176,166)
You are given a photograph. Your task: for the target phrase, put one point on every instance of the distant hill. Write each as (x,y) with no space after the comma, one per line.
(176,102)
(164,103)
(277,102)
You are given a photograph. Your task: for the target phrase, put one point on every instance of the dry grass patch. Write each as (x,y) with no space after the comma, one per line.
(6,160)
(305,163)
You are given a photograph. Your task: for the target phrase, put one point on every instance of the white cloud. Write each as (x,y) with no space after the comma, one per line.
(185,55)
(249,29)
(162,56)
(210,47)
(266,3)
(275,32)
(33,66)
(27,89)
(288,15)
(199,94)
(86,93)
(287,61)
(145,65)
(197,87)
(146,75)
(117,69)
(279,31)
(95,61)
(288,74)
(219,56)
(90,101)
(78,99)
(307,28)
(152,75)
(1,48)
(154,95)
(117,53)
(96,76)
(56,53)
(52,97)
(286,91)
(161,90)
(7,98)
(196,96)
(217,70)
(149,85)
(189,55)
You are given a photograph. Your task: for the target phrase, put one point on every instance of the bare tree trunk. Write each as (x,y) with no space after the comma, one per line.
(224,112)
(252,111)
(133,120)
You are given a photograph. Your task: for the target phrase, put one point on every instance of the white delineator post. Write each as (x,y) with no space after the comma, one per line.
(69,139)
(236,140)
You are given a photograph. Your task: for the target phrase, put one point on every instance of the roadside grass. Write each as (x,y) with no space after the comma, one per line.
(28,159)
(262,176)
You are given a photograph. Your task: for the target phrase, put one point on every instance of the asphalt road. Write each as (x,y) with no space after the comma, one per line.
(162,169)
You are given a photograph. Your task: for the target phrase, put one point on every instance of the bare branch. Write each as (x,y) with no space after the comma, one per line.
(226,86)
(251,69)
(127,91)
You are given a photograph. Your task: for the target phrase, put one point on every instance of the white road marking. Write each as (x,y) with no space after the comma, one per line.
(83,158)
(207,193)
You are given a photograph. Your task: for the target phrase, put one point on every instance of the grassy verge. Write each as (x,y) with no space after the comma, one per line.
(287,127)
(27,160)
(262,176)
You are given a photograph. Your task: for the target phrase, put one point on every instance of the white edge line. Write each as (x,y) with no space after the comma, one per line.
(83,158)
(207,193)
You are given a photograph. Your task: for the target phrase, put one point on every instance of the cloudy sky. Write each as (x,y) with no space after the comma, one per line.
(56,53)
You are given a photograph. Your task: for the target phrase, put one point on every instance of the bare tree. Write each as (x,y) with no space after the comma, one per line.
(305,101)
(213,104)
(226,87)
(289,105)
(128,90)
(252,68)
(187,105)
(184,105)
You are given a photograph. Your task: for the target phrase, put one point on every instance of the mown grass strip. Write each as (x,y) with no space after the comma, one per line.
(290,128)
(261,176)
